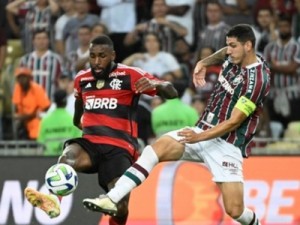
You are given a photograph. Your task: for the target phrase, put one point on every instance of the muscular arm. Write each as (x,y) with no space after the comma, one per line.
(236,119)
(166,90)
(78,113)
(216,58)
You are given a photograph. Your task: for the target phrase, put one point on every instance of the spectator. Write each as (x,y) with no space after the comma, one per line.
(237,11)
(198,103)
(81,53)
(29,99)
(265,30)
(161,64)
(212,74)
(214,33)
(296,20)
(182,13)
(99,29)
(44,63)
(69,12)
(182,114)
(120,18)
(66,83)
(284,59)
(57,126)
(38,16)
(167,30)
(83,17)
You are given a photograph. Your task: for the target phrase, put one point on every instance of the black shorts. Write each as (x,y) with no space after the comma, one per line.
(108,161)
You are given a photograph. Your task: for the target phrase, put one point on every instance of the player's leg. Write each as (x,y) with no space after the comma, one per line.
(73,155)
(233,200)
(166,148)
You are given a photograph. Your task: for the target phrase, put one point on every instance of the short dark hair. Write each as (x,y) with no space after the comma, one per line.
(60,98)
(39,31)
(285,18)
(243,33)
(103,40)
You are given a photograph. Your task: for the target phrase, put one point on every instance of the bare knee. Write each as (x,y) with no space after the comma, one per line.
(234,210)
(68,156)
(76,157)
(168,149)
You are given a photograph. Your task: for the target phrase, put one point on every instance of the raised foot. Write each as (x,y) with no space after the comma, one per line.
(45,202)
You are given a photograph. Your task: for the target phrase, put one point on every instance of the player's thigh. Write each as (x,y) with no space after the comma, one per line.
(233,196)
(76,156)
(167,148)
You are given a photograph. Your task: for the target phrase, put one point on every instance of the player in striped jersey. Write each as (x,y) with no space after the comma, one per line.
(223,134)
(107,97)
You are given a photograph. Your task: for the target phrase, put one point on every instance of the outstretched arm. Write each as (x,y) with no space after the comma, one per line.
(164,89)
(200,68)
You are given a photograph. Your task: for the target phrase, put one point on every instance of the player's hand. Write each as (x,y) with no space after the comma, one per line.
(145,84)
(199,75)
(188,136)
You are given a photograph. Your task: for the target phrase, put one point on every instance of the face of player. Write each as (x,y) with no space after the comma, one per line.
(159,8)
(237,50)
(101,60)
(285,30)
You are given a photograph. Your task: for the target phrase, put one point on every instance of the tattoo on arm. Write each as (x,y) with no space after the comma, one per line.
(216,58)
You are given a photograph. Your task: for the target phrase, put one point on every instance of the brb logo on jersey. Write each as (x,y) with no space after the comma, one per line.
(101,103)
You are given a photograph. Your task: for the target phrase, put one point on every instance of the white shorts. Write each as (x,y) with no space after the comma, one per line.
(224,160)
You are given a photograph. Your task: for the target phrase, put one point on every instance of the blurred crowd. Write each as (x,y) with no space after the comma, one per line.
(44,43)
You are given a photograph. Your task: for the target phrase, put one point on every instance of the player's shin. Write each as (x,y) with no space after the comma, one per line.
(118,220)
(135,175)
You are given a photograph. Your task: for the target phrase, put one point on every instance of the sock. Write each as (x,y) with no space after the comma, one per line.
(248,217)
(118,220)
(135,175)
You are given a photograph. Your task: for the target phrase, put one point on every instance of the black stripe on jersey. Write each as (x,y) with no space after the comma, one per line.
(110,132)
(95,85)
(122,112)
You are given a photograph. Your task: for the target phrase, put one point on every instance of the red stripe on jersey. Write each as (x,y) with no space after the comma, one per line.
(113,141)
(116,123)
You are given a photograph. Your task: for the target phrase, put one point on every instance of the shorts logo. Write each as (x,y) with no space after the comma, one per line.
(101,103)
(229,165)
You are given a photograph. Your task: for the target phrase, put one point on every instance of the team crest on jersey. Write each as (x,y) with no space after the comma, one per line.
(100,84)
(237,80)
(116,84)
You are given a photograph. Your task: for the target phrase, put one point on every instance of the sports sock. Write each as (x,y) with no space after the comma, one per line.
(248,217)
(118,220)
(135,175)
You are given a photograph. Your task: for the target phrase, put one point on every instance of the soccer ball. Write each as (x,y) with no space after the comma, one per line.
(61,179)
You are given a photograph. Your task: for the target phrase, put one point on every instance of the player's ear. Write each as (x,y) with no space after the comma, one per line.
(248,45)
(113,56)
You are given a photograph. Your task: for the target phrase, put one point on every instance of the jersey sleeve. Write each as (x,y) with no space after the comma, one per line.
(77,88)
(257,87)
(138,73)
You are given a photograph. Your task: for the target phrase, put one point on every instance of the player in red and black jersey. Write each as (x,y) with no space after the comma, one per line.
(105,109)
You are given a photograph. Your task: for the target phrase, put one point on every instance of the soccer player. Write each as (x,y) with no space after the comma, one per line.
(223,134)
(107,95)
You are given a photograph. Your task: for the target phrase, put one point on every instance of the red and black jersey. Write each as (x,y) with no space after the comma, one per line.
(110,106)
